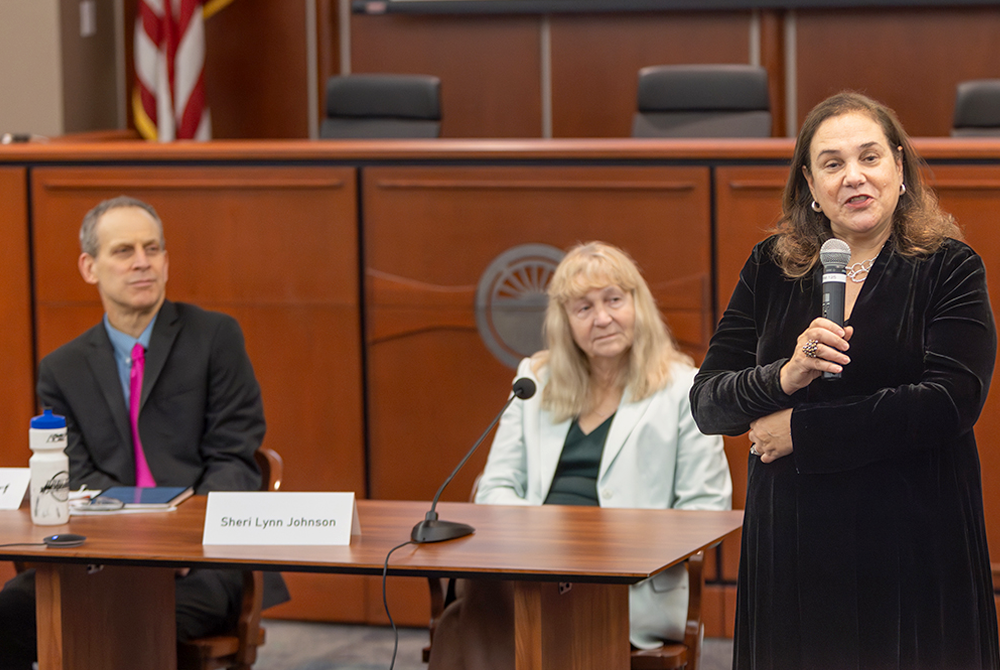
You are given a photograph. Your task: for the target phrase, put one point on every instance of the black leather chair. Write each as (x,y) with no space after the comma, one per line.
(382,106)
(702,101)
(977,108)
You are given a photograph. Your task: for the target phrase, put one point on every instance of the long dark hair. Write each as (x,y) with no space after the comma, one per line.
(919,227)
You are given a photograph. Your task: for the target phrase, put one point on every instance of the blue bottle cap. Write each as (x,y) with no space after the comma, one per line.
(48,420)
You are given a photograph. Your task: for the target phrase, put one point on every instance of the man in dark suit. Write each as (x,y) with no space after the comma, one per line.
(199,416)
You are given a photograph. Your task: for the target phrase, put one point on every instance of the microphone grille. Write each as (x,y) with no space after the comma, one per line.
(524,388)
(835,252)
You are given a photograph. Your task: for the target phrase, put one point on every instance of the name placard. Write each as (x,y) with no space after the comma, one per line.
(273,518)
(13,484)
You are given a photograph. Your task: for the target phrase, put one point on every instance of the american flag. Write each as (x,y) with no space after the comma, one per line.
(168,100)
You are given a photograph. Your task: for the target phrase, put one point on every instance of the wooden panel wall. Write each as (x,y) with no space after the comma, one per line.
(749,204)
(256,70)
(276,248)
(972,195)
(596,60)
(17,397)
(433,386)
(327,50)
(489,67)
(910,59)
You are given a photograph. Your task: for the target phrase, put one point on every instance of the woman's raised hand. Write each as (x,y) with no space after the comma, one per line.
(820,348)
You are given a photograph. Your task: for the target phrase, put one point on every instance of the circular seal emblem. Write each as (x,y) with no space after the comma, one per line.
(511,301)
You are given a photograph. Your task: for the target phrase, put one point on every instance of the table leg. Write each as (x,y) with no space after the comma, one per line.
(112,617)
(584,627)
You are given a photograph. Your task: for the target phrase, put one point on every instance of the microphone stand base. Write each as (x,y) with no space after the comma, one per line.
(439,531)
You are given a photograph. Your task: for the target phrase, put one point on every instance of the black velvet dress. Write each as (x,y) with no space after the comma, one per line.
(866,547)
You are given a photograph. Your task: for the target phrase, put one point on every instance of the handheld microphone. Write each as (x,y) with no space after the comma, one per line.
(433,530)
(834,255)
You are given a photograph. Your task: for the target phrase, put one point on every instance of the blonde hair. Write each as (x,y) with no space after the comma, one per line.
(586,267)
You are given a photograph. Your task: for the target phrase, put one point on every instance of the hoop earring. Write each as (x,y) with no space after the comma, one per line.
(902,188)
(815,207)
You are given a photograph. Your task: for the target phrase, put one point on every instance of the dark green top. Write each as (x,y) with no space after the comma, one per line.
(575,481)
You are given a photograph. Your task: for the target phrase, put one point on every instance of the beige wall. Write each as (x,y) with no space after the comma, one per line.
(31,98)
(89,68)
(53,79)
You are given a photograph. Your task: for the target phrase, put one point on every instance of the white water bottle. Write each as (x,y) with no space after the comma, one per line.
(49,470)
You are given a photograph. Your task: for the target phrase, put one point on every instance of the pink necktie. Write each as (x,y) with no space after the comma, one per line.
(143,477)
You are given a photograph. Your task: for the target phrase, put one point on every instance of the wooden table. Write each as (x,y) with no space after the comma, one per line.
(90,598)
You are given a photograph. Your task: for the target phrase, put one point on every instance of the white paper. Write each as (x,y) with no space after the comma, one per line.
(13,484)
(273,518)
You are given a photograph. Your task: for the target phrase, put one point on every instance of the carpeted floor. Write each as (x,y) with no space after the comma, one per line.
(313,646)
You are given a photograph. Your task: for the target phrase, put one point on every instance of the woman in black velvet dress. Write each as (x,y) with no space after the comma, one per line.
(864,543)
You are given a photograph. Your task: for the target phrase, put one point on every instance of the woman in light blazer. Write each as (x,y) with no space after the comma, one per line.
(611,426)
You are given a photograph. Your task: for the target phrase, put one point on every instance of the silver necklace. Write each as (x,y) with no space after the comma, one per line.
(858,272)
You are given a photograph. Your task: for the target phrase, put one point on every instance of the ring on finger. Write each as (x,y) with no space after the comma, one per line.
(809,348)
(753,450)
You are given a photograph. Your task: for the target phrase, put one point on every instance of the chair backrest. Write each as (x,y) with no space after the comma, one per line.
(702,101)
(271,468)
(237,649)
(382,106)
(686,654)
(977,108)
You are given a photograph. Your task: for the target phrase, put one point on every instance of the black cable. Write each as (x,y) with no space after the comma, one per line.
(24,544)
(385,602)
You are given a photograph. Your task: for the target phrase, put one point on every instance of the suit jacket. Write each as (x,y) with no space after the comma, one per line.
(200,419)
(654,457)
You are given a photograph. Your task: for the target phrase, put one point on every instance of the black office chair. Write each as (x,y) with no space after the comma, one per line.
(382,106)
(702,101)
(977,108)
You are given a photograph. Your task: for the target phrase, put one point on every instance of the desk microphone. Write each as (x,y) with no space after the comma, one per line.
(834,255)
(433,530)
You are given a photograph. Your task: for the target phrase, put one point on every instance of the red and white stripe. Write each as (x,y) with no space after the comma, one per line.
(169,97)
